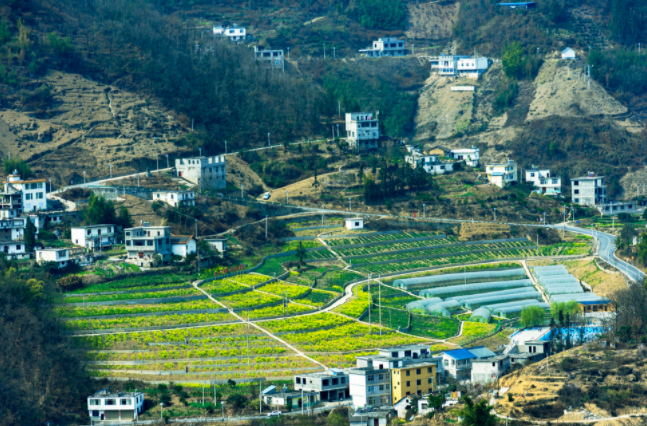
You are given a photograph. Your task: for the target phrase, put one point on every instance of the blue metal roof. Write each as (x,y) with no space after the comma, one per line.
(595,302)
(497,174)
(525,3)
(459,354)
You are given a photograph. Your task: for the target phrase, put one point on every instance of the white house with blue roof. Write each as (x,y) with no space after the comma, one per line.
(458,362)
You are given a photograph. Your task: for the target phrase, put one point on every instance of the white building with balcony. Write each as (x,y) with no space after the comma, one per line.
(370,386)
(588,190)
(205,172)
(104,405)
(33,192)
(385,46)
(469,155)
(545,183)
(94,237)
(61,256)
(13,249)
(332,385)
(460,66)
(503,174)
(429,163)
(175,198)
(487,370)
(235,33)
(362,130)
(144,243)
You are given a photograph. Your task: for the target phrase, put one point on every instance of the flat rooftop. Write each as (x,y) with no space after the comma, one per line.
(528,335)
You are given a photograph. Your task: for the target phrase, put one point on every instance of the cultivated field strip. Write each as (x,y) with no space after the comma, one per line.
(335,242)
(385,247)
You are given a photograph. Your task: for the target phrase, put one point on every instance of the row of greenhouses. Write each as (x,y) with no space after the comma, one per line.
(445,280)
(561,286)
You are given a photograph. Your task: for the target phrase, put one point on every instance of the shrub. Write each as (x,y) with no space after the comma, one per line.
(70,282)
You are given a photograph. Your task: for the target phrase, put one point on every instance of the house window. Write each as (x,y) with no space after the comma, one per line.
(343,380)
(576,182)
(371,388)
(380,377)
(408,373)
(430,381)
(125,401)
(577,200)
(428,369)
(149,243)
(576,191)
(417,371)
(418,382)
(298,380)
(408,384)
(381,387)
(324,382)
(127,242)
(371,378)
(111,402)
(39,195)
(95,402)
(446,362)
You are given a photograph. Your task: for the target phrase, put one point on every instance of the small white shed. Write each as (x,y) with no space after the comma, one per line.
(568,53)
(355,223)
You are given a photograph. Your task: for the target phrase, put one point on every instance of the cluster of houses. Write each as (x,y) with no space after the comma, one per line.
(380,386)
(441,160)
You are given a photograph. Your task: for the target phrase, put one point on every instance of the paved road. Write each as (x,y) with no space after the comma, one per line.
(606,251)
(95,182)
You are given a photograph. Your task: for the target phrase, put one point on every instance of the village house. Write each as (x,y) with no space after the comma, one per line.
(13,249)
(545,183)
(385,46)
(292,400)
(490,369)
(273,58)
(469,155)
(460,66)
(362,130)
(332,385)
(370,386)
(218,244)
(183,245)
(144,243)
(503,174)
(234,33)
(104,405)
(205,172)
(458,362)
(354,223)
(588,190)
(413,378)
(568,53)
(94,237)
(32,191)
(175,198)
(62,256)
(429,163)
(372,416)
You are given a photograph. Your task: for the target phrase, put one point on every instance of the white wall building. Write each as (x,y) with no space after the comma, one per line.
(503,174)
(588,190)
(460,66)
(206,172)
(13,229)
(568,53)
(544,182)
(94,237)
(33,192)
(59,255)
(218,244)
(13,249)
(362,130)
(355,223)
(235,33)
(385,46)
(175,198)
(469,155)
(429,163)
(370,386)
(143,243)
(490,369)
(104,405)
(182,245)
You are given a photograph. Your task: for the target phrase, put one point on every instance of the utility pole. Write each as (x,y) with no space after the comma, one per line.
(322,214)
(158,165)
(167,165)
(495,214)
(333,131)
(137,179)
(424,213)
(369,304)
(334,55)
(225,147)
(349,208)
(324,50)
(288,53)
(111,170)
(379,295)
(339,107)
(241,191)
(268,140)
(196,245)
(266,227)
(588,72)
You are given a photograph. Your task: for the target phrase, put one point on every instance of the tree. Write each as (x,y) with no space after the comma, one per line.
(70,282)
(532,316)
(100,210)
(316,182)
(560,309)
(627,234)
(436,402)
(512,59)
(301,254)
(17,165)
(478,414)
(30,236)
(124,220)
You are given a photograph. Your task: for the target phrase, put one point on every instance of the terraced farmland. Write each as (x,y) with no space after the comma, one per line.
(223,352)
(386,247)
(368,239)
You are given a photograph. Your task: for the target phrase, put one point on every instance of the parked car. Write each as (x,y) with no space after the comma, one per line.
(266,196)
(274,414)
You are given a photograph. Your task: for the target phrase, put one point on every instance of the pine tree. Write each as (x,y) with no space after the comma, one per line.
(30,236)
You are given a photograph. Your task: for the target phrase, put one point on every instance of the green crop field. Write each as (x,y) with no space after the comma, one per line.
(147,321)
(318,297)
(360,251)
(284,289)
(335,280)
(248,300)
(272,267)
(222,286)
(95,310)
(368,239)
(144,282)
(135,296)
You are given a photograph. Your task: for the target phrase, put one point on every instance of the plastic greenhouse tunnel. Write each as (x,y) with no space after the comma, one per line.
(488,294)
(516,310)
(460,290)
(447,279)
(481,315)
(524,302)
(520,295)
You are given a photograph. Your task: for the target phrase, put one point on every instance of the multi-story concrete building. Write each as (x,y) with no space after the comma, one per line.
(413,378)
(381,416)
(615,208)
(206,172)
(143,243)
(94,237)
(13,249)
(405,351)
(460,66)
(62,256)
(503,174)
(458,362)
(175,198)
(332,385)
(588,190)
(273,58)
(104,405)
(235,33)
(385,46)
(469,155)
(13,229)
(544,182)
(430,163)
(370,386)
(362,130)
(33,192)
(490,369)
(10,202)
(292,400)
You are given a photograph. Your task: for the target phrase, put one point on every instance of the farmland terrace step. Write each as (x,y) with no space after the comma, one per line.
(437,256)
(377,243)
(465,244)
(151,314)
(173,372)
(138,301)
(159,361)
(311,330)
(227,344)
(99,293)
(161,327)
(243,362)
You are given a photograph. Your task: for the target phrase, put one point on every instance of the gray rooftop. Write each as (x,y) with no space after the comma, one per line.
(492,359)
